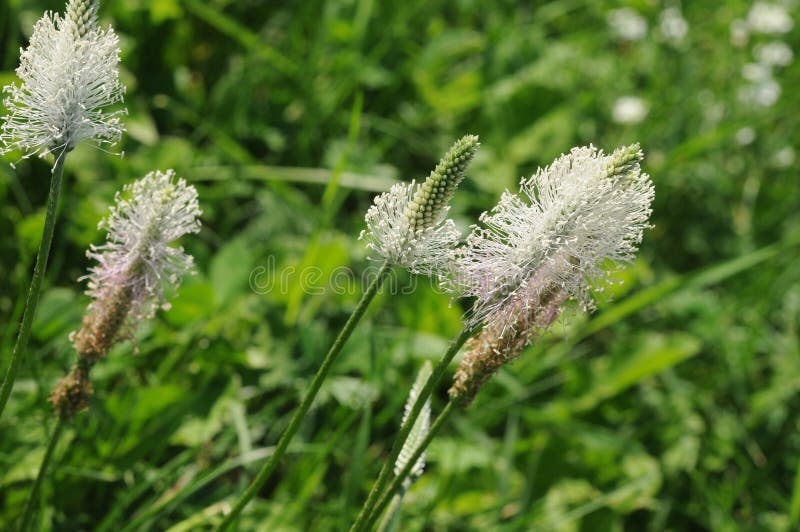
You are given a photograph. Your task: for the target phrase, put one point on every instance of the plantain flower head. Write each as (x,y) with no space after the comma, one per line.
(408,226)
(573,223)
(69,75)
(137,268)
(568,221)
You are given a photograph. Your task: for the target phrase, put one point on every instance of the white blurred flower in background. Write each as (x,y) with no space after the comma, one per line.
(775,53)
(763,94)
(769,18)
(745,136)
(784,157)
(627,24)
(629,110)
(756,72)
(740,33)
(672,25)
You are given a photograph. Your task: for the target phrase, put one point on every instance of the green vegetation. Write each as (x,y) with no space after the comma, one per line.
(673,406)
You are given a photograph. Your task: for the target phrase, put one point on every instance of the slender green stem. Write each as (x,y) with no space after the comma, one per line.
(405,429)
(390,520)
(397,481)
(301,411)
(33,497)
(36,282)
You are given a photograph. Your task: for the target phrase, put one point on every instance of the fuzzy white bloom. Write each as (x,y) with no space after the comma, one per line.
(69,74)
(391,235)
(554,238)
(140,227)
(769,18)
(627,24)
(775,53)
(740,33)
(420,429)
(629,110)
(672,25)
(408,226)
(137,268)
(764,93)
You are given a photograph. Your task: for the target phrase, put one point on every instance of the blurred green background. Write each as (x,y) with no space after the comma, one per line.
(672,407)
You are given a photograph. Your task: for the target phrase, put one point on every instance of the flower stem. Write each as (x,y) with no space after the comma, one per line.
(36,282)
(300,413)
(397,481)
(33,497)
(390,520)
(405,429)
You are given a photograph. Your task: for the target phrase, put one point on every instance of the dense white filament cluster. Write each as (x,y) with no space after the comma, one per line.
(392,235)
(137,255)
(556,235)
(408,225)
(69,76)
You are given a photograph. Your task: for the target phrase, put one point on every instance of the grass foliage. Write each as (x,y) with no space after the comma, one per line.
(673,406)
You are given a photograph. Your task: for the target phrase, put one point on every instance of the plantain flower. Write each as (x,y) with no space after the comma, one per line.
(560,238)
(69,76)
(137,269)
(408,226)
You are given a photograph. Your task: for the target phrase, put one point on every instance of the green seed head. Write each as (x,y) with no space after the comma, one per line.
(82,15)
(624,159)
(437,191)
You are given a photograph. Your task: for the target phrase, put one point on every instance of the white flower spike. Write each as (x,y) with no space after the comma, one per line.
(137,268)
(408,225)
(548,244)
(569,219)
(69,76)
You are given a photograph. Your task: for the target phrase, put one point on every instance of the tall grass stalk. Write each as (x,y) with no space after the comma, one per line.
(308,399)
(391,519)
(36,282)
(397,482)
(405,429)
(33,497)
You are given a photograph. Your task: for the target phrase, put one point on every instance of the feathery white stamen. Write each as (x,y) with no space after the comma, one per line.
(408,225)
(390,233)
(69,74)
(138,254)
(555,236)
